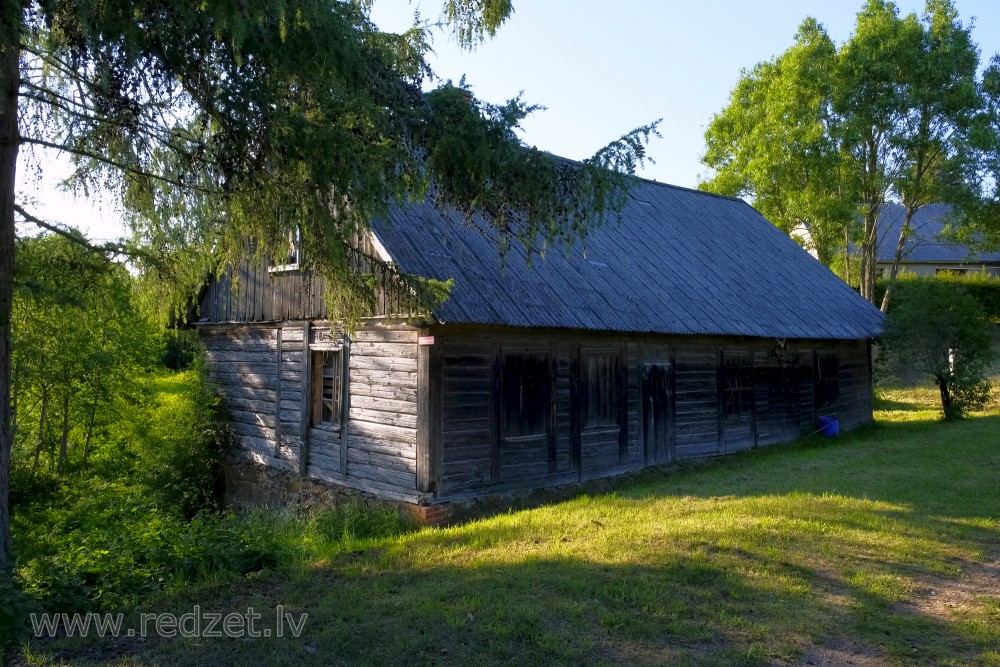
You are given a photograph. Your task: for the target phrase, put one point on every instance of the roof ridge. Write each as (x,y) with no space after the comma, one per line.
(653,181)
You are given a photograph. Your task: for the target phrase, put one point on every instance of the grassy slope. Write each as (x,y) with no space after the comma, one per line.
(881,547)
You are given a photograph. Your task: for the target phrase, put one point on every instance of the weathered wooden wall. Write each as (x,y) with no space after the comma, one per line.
(255,293)
(475,459)
(259,369)
(425,423)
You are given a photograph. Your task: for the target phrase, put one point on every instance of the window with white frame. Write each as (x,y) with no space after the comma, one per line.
(292,259)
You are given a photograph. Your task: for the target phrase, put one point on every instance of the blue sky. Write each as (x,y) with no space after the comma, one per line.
(602,68)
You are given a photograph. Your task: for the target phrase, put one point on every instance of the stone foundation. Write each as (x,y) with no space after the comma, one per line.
(253,484)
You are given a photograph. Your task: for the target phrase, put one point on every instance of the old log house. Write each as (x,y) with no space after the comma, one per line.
(693,328)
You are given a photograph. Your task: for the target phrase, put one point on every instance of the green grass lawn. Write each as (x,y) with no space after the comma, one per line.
(881,547)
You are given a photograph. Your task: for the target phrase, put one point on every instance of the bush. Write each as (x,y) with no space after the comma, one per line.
(180,464)
(983,287)
(938,328)
(181,349)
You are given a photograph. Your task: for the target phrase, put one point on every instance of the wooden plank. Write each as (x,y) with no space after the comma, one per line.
(306,408)
(327,460)
(345,406)
(386,349)
(408,394)
(480,466)
(386,335)
(387,432)
(244,417)
(384,417)
(255,346)
(386,461)
(227,390)
(253,430)
(401,480)
(241,367)
(460,453)
(385,364)
(383,378)
(264,357)
(386,405)
(423,471)
(457,385)
(396,449)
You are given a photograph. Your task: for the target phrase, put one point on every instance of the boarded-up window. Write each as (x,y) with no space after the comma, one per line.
(601,390)
(826,380)
(328,386)
(737,388)
(525,394)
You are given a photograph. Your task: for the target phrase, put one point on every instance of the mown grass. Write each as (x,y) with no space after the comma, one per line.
(881,546)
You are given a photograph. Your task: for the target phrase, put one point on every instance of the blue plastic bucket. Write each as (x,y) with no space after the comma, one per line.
(829,426)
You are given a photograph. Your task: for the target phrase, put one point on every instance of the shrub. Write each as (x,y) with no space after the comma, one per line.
(180,462)
(938,328)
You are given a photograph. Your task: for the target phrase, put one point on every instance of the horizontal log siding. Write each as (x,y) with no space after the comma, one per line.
(243,362)
(781,413)
(381,453)
(466,386)
(264,396)
(382,419)
(854,406)
(696,391)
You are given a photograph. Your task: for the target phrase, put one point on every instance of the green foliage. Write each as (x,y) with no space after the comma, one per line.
(823,136)
(181,349)
(223,128)
(79,343)
(940,329)
(983,287)
(143,518)
(796,181)
(182,447)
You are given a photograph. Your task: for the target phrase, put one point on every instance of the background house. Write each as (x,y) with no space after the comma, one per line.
(928,251)
(692,328)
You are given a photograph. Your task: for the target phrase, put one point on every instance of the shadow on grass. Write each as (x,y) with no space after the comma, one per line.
(901,406)
(717,605)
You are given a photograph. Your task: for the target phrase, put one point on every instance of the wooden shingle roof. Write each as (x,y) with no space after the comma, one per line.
(680,262)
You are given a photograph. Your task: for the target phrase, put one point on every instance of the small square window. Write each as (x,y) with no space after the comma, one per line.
(292,261)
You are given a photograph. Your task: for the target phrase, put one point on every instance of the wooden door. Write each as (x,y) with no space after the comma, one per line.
(657,425)
(603,405)
(526,446)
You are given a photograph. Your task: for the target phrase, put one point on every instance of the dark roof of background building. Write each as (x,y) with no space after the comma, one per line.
(927,243)
(680,262)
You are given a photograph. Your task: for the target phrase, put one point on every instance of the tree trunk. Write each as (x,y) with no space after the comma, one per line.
(90,429)
(64,440)
(40,444)
(847,256)
(945,396)
(869,253)
(10,20)
(904,236)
